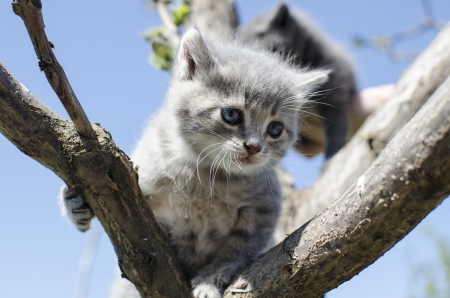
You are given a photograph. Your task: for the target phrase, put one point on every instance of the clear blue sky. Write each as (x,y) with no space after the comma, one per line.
(100,46)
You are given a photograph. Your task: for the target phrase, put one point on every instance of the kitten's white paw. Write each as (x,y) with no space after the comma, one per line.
(76,209)
(205,290)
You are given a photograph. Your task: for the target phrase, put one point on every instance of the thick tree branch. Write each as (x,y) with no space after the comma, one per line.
(406,182)
(412,91)
(94,167)
(104,176)
(30,12)
(106,179)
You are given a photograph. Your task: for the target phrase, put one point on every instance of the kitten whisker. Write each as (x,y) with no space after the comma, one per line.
(281,175)
(299,118)
(198,162)
(234,161)
(211,171)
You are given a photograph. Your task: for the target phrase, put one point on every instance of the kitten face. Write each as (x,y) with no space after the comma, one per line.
(235,134)
(236,116)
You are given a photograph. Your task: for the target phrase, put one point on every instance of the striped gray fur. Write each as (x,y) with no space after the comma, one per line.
(211,183)
(293,34)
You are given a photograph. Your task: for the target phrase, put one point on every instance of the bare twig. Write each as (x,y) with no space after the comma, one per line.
(170,29)
(387,43)
(30,12)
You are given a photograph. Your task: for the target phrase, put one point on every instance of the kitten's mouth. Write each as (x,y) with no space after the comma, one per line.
(247,160)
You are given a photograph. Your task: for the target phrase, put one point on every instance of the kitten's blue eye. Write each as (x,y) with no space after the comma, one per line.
(274,129)
(231,116)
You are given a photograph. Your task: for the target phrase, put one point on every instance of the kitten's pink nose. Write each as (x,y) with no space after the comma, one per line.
(252,149)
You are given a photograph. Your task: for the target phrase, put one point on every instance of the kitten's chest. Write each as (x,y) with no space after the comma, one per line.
(201,215)
(202,222)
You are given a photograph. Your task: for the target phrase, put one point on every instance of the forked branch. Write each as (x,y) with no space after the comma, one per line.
(30,12)
(105,177)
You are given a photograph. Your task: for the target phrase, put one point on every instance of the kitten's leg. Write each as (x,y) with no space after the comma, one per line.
(76,209)
(245,242)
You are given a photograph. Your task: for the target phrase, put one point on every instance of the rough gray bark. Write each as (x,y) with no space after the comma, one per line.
(91,164)
(107,180)
(414,88)
(348,236)
(30,12)
(407,181)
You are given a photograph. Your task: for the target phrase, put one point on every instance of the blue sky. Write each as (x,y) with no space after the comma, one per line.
(100,46)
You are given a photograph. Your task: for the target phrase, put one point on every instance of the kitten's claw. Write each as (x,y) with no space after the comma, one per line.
(76,209)
(205,290)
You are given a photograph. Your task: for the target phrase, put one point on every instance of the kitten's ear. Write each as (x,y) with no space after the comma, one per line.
(310,80)
(281,16)
(193,55)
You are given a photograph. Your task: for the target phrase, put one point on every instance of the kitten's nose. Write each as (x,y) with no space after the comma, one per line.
(252,149)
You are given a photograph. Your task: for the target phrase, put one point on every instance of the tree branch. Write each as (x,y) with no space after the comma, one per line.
(406,182)
(412,91)
(170,29)
(30,12)
(104,176)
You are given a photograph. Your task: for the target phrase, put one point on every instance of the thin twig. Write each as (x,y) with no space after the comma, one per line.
(387,43)
(31,14)
(170,29)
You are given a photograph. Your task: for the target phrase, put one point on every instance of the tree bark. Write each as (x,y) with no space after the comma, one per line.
(413,89)
(89,162)
(105,177)
(30,13)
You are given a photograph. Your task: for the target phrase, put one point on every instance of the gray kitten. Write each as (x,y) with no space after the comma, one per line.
(207,159)
(298,38)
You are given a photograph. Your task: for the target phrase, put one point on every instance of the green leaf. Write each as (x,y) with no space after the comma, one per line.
(163,57)
(160,63)
(162,50)
(153,33)
(180,15)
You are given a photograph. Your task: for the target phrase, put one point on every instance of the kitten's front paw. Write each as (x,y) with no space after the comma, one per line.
(76,209)
(205,290)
